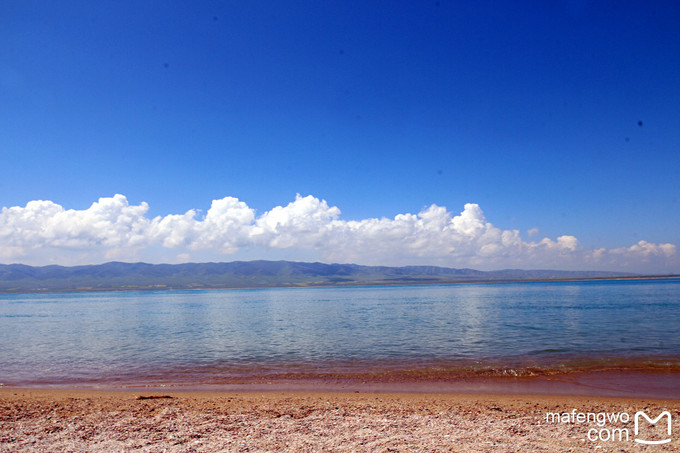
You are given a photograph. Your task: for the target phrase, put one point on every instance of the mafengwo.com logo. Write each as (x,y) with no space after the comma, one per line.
(639,416)
(642,428)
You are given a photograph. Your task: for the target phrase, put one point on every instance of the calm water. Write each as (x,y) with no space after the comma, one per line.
(209,335)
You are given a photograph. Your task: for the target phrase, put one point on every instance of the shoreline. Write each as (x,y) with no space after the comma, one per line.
(99,421)
(599,383)
(80,290)
(611,377)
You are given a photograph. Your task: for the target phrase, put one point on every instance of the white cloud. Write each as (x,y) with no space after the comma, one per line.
(641,255)
(646,249)
(306,222)
(108,223)
(111,228)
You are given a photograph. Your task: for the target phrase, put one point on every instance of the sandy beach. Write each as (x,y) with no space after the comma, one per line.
(377,370)
(175,421)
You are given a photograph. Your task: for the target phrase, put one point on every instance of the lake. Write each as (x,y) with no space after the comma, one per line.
(180,337)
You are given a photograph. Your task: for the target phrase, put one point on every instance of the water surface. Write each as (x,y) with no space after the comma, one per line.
(225,335)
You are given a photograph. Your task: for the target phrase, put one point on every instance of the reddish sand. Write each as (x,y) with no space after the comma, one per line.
(104,421)
(633,382)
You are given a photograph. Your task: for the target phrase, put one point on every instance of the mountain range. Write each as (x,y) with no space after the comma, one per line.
(117,276)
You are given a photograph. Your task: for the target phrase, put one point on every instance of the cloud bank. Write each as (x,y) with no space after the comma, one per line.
(43,232)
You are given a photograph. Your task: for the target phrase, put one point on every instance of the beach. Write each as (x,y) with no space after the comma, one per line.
(178,421)
(566,366)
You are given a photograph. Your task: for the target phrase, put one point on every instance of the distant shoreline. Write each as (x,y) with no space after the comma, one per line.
(337,285)
(118,276)
(349,285)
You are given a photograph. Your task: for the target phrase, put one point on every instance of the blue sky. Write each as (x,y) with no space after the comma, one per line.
(556,119)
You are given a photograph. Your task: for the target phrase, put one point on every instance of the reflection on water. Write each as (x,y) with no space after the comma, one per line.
(96,336)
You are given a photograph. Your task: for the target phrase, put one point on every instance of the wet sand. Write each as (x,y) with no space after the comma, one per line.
(617,380)
(178,421)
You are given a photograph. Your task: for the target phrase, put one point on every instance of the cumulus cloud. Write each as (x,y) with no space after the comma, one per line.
(225,227)
(306,222)
(108,223)
(43,231)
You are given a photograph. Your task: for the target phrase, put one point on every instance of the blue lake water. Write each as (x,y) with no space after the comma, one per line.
(210,335)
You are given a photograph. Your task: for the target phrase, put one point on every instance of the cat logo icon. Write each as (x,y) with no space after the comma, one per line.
(640,414)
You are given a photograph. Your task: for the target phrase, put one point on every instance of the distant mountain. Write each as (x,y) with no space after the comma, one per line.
(117,276)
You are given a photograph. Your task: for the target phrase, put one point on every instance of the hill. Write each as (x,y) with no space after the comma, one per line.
(252,274)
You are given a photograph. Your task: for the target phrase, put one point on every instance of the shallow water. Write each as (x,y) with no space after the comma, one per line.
(441,330)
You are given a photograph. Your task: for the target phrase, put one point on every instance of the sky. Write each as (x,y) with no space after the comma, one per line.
(479,134)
